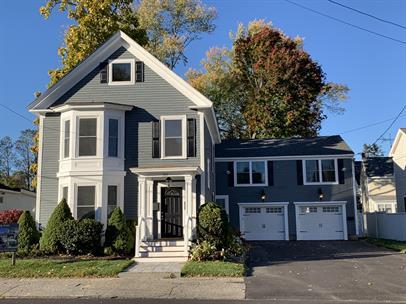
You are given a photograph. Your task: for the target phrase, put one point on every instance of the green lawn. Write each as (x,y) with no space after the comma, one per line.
(48,268)
(395,245)
(213,269)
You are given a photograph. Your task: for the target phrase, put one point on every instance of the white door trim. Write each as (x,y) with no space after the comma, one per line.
(322,203)
(266,204)
(226,203)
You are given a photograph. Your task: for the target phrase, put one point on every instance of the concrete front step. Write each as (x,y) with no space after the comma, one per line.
(162,248)
(162,243)
(152,254)
(160,259)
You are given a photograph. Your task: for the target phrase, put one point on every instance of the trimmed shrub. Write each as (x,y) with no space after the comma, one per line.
(11,216)
(203,251)
(81,237)
(49,242)
(119,238)
(28,236)
(212,225)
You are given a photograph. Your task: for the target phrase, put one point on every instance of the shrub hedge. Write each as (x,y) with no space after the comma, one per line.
(119,236)
(28,236)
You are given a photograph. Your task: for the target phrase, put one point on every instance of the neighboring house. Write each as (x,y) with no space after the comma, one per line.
(286,189)
(16,198)
(378,192)
(121,129)
(398,154)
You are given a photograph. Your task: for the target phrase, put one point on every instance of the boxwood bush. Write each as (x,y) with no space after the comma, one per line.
(50,242)
(28,236)
(119,236)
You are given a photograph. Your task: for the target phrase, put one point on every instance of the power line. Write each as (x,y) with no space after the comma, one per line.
(366,14)
(370,125)
(345,22)
(390,126)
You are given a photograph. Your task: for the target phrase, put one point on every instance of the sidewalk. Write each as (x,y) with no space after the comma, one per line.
(134,285)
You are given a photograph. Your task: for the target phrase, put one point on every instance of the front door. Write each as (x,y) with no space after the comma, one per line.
(171,213)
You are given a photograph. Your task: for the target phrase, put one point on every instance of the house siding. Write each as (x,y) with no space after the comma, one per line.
(208,154)
(49,168)
(399,162)
(286,189)
(151,99)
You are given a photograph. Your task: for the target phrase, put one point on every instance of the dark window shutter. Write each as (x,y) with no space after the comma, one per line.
(155,139)
(191,137)
(104,72)
(270,173)
(341,178)
(299,172)
(230,172)
(139,71)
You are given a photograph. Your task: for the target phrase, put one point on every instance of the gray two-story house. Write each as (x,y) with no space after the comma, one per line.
(121,129)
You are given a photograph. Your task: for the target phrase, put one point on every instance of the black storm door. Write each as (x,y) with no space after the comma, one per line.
(171,213)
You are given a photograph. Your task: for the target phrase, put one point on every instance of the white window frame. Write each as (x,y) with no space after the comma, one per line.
(131,62)
(64,137)
(226,202)
(98,126)
(320,182)
(96,197)
(118,136)
(183,119)
(236,184)
(117,196)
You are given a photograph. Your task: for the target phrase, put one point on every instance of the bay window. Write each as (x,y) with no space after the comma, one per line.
(250,173)
(87,136)
(111,198)
(113,138)
(66,139)
(86,201)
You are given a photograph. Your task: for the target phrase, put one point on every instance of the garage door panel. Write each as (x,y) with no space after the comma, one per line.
(264,223)
(324,222)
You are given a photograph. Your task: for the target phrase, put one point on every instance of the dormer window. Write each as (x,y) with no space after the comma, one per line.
(121,71)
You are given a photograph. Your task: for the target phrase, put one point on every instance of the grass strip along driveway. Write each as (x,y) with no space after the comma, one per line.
(213,269)
(394,245)
(49,268)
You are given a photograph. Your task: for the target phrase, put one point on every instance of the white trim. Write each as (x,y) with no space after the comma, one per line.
(165,171)
(305,182)
(250,173)
(285,205)
(226,202)
(132,72)
(396,142)
(182,118)
(292,157)
(99,133)
(90,107)
(354,185)
(39,169)
(343,205)
(202,158)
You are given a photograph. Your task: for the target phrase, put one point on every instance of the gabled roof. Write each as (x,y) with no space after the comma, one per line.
(378,166)
(120,39)
(322,145)
(401,132)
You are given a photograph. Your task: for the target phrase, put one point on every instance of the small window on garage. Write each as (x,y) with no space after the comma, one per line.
(308,209)
(274,210)
(332,209)
(252,210)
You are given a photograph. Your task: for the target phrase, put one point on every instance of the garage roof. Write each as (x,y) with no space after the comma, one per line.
(322,145)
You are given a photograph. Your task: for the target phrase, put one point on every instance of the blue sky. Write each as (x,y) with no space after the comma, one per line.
(374,68)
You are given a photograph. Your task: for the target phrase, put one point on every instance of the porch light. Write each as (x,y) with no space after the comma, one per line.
(263,195)
(168,181)
(321,194)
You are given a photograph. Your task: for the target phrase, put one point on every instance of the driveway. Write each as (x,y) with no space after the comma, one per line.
(326,271)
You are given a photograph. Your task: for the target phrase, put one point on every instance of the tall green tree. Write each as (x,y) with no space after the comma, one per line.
(273,88)
(172,25)
(26,156)
(94,21)
(7,159)
(372,150)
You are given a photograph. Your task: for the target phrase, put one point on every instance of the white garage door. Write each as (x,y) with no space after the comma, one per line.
(263,223)
(320,222)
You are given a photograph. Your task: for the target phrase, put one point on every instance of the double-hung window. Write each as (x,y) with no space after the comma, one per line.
(113,137)
(121,71)
(174,137)
(66,139)
(250,173)
(320,171)
(86,201)
(87,136)
(111,198)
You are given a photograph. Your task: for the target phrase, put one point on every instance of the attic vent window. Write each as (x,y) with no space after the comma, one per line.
(121,71)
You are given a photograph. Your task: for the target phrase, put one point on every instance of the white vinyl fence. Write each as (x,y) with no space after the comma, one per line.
(391,226)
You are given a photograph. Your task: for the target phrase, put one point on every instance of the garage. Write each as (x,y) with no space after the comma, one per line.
(264,222)
(321,221)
